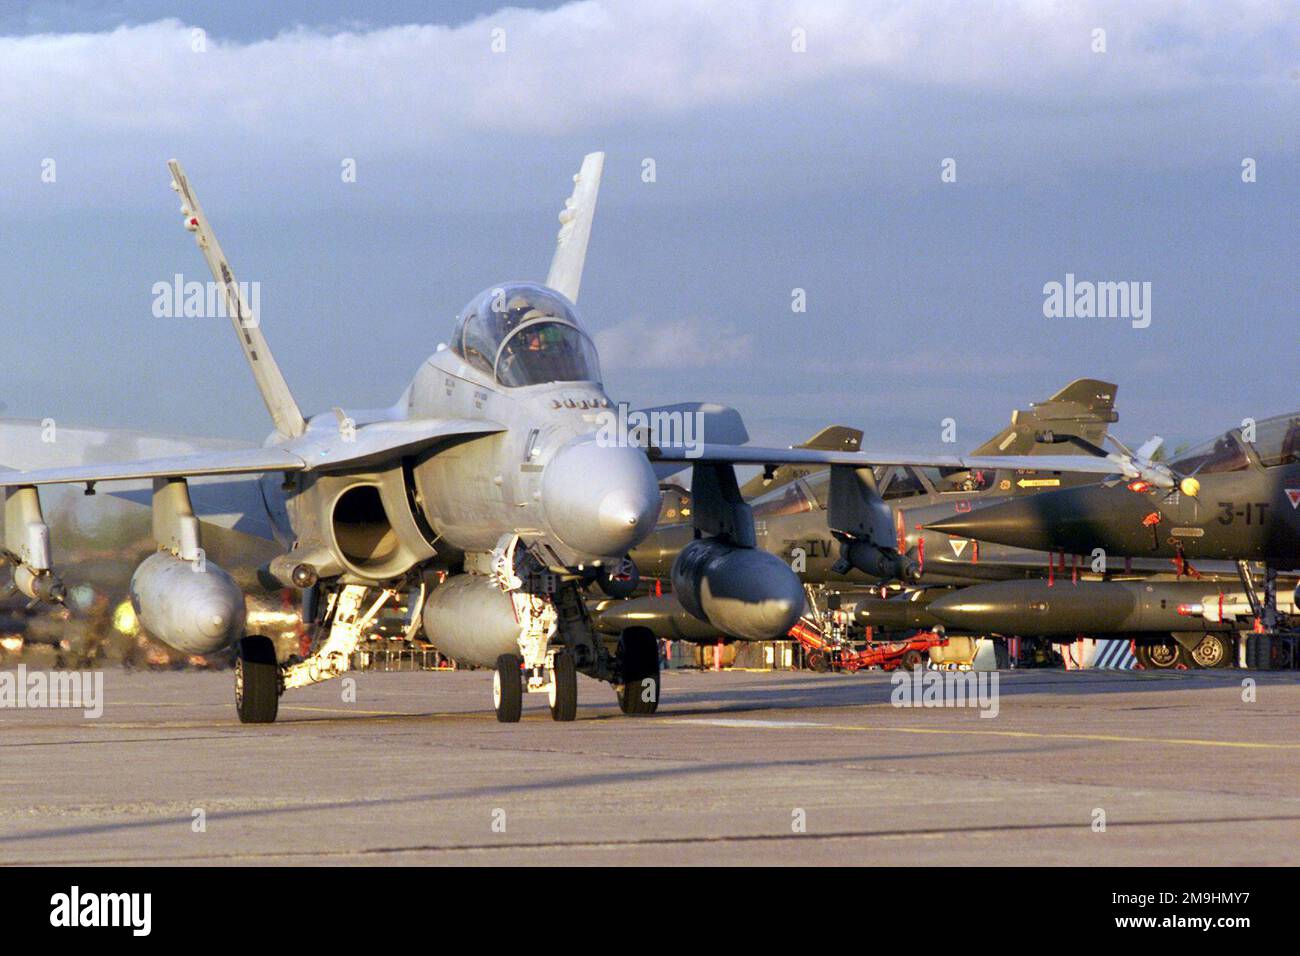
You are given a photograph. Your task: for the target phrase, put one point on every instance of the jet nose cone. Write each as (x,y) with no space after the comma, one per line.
(967,609)
(621,511)
(600,500)
(1022,523)
(1074,520)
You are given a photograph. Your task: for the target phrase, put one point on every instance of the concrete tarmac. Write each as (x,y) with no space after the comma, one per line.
(736,768)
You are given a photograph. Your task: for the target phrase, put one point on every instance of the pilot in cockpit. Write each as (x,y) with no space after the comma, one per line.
(525,335)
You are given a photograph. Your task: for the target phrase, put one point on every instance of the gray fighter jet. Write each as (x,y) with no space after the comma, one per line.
(501,481)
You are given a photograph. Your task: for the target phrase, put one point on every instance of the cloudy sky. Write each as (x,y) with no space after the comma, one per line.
(775,169)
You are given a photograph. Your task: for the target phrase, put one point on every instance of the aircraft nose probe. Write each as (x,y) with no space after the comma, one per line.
(600,500)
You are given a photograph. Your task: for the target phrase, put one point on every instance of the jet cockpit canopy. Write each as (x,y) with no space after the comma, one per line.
(522,333)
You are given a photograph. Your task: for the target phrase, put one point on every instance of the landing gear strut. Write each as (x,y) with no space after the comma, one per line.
(1271,646)
(260,679)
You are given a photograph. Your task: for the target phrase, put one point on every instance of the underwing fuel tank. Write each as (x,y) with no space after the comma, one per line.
(896,614)
(472,621)
(1037,608)
(195,607)
(661,613)
(743,592)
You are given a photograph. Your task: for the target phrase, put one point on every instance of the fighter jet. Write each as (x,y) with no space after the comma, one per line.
(500,482)
(790,508)
(1233,498)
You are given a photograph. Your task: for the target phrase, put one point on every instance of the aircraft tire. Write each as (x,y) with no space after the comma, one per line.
(564,688)
(257,681)
(1214,651)
(508,689)
(1001,653)
(1166,656)
(638,696)
(1259,652)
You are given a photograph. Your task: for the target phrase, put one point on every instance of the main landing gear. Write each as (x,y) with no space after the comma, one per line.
(260,680)
(1273,645)
(638,663)
(257,681)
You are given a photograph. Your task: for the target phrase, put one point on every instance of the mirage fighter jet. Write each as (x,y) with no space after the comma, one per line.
(1235,497)
(488,494)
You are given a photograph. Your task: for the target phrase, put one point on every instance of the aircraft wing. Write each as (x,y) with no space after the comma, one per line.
(750,455)
(317,450)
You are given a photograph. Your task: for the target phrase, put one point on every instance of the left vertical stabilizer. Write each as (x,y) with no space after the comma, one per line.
(266,373)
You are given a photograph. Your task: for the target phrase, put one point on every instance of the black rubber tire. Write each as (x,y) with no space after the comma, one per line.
(257,681)
(818,663)
(638,652)
(565,705)
(1166,656)
(1001,654)
(508,689)
(1259,652)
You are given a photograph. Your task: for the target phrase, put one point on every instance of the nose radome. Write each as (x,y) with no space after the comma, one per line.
(600,500)
(620,512)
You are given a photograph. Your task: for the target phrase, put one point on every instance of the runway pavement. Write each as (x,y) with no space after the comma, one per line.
(417,770)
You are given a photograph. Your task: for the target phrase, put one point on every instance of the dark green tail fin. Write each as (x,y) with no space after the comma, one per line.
(1075,418)
(830,438)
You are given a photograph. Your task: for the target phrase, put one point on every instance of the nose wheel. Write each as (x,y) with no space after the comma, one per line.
(563,692)
(508,689)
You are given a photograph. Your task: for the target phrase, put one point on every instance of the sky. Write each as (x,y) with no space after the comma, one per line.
(921,171)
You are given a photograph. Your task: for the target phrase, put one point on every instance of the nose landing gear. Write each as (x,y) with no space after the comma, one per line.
(508,689)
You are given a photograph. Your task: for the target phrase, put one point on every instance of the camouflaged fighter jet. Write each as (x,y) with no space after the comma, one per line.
(790,511)
(494,488)
(1235,498)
